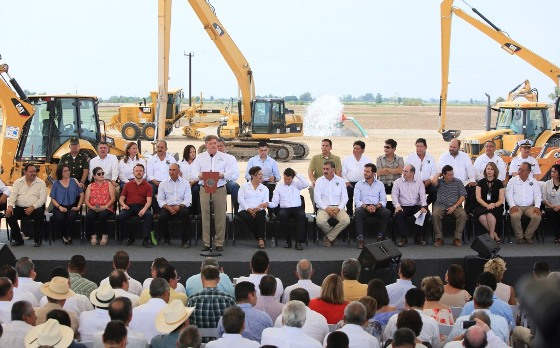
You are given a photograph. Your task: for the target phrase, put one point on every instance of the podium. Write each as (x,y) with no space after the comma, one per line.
(210,180)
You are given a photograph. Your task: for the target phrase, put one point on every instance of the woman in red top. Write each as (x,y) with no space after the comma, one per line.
(100,199)
(331,302)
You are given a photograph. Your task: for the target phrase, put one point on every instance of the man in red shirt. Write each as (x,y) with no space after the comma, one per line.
(136,199)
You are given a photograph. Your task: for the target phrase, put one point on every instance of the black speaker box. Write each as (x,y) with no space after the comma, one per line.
(485,246)
(6,256)
(379,255)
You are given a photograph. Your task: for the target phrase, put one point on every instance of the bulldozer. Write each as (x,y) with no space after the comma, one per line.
(37,129)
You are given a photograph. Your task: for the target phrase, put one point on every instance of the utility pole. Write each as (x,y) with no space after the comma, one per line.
(190,55)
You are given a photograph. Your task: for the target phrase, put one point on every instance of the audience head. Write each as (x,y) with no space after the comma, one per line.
(541,269)
(121,309)
(169,273)
(475,337)
(77,264)
(482,315)
(304,269)
(371,305)
(118,279)
(455,276)
(245,293)
(496,266)
(482,297)
(115,334)
(121,260)
(407,268)
(355,313)
(267,285)
(173,317)
(415,298)
(332,290)
(9,272)
(60,272)
(23,310)
(51,334)
(210,274)
(337,339)
(157,264)
(411,319)
(159,288)
(432,288)
(233,320)
(488,279)
(300,294)
(404,338)
(6,289)
(376,289)
(293,314)
(25,268)
(210,261)
(189,338)
(61,316)
(351,269)
(260,262)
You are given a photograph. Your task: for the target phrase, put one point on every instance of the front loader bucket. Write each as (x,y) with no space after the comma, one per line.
(450,134)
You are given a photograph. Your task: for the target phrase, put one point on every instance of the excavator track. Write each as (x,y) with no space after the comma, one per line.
(281,151)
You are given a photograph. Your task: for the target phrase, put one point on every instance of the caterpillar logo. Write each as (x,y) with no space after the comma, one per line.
(22,111)
(218,29)
(511,48)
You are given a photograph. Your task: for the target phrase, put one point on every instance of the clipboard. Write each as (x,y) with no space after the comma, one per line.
(210,181)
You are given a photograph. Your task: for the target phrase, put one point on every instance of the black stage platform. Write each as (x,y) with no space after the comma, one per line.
(235,259)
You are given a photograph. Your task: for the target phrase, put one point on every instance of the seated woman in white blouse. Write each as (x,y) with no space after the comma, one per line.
(128,162)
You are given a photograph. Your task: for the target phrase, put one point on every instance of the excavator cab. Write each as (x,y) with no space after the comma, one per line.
(529,122)
(56,120)
(268,116)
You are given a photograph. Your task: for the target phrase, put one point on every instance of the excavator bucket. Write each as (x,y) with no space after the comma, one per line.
(450,134)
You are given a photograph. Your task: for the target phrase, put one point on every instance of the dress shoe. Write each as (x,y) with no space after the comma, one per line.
(298,246)
(529,240)
(326,242)
(520,241)
(37,244)
(185,245)
(129,242)
(361,244)
(438,242)
(288,244)
(17,243)
(403,242)
(147,244)
(335,241)
(206,248)
(419,241)
(457,242)
(219,248)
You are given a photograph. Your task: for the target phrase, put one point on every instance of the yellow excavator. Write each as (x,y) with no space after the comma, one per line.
(517,119)
(38,129)
(255,119)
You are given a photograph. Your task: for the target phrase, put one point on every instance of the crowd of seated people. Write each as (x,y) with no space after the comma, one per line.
(248,314)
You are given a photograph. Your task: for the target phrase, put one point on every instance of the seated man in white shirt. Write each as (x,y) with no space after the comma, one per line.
(479,335)
(174,199)
(94,321)
(287,200)
(22,321)
(304,272)
(354,319)
(158,170)
(143,316)
(259,268)
(4,194)
(9,272)
(108,162)
(330,196)
(233,321)
(6,296)
(121,309)
(489,156)
(26,277)
(291,334)
(121,260)
(353,171)
(524,156)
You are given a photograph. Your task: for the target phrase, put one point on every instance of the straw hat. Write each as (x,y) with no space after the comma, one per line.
(172,315)
(57,288)
(102,296)
(50,334)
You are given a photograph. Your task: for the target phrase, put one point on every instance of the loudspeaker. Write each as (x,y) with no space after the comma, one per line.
(6,256)
(485,246)
(379,255)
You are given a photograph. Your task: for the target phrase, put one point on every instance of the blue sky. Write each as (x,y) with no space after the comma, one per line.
(107,48)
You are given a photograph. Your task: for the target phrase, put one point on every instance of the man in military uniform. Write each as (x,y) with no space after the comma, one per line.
(77,161)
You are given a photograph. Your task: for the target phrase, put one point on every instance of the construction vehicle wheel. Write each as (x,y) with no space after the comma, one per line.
(130,131)
(149,131)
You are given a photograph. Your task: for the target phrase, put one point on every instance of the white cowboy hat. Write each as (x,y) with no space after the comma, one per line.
(172,315)
(50,334)
(102,296)
(57,288)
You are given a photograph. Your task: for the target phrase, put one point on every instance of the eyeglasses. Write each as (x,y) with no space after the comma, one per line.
(100,174)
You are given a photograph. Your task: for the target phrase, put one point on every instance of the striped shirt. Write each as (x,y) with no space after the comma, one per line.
(408,193)
(448,193)
(81,285)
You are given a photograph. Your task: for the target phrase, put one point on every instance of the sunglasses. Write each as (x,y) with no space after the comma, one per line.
(100,174)
(387,147)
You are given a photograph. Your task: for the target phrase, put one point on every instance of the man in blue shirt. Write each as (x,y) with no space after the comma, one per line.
(255,320)
(194,283)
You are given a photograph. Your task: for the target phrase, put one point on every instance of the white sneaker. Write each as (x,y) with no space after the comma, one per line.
(24,236)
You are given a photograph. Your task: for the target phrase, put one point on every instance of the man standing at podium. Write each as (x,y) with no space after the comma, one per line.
(213,161)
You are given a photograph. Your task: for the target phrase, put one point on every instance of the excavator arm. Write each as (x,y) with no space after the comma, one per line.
(231,53)
(509,45)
